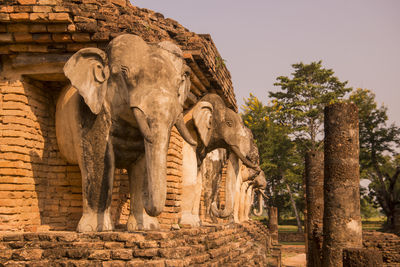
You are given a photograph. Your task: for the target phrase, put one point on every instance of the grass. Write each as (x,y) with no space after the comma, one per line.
(290,225)
(293,243)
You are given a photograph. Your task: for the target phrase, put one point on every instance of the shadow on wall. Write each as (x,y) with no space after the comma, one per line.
(58,184)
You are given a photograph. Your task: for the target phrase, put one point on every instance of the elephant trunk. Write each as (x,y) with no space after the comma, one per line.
(245,161)
(260,204)
(155,186)
(230,184)
(156,140)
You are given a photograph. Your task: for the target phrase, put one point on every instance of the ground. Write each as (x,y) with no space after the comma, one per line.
(293,255)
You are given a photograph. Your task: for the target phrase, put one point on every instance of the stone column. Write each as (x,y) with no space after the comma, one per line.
(273,223)
(314,177)
(342,219)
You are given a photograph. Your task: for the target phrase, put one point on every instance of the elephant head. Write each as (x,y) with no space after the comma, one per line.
(259,185)
(220,127)
(145,85)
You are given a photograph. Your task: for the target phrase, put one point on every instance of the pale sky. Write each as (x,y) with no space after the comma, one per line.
(260,39)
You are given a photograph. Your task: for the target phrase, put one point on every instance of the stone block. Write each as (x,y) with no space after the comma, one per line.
(81,37)
(59,17)
(42,38)
(6,38)
(57,28)
(23,37)
(146,253)
(38,17)
(37,28)
(17,17)
(121,254)
(41,9)
(17,27)
(27,2)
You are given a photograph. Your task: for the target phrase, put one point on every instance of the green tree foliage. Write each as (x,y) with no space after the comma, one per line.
(368,207)
(303,98)
(278,154)
(379,160)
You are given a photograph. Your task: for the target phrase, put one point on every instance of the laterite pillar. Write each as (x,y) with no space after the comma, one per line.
(314,168)
(342,220)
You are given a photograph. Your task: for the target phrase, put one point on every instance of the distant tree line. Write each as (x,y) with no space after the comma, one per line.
(292,124)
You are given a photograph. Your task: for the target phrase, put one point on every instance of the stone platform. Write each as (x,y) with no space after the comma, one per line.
(246,244)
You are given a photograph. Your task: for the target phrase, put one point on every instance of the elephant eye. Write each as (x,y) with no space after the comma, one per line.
(229,123)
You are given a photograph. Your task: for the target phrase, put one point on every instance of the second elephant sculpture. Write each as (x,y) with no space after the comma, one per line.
(119,113)
(213,125)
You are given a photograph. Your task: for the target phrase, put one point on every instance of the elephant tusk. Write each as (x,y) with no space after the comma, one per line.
(245,161)
(263,194)
(260,205)
(143,125)
(183,131)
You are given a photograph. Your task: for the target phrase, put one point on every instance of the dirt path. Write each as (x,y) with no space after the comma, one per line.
(293,256)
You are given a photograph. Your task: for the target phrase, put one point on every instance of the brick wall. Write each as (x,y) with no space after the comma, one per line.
(229,245)
(388,244)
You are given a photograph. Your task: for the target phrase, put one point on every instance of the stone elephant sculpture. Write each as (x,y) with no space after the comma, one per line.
(213,125)
(246,196)
(118,113)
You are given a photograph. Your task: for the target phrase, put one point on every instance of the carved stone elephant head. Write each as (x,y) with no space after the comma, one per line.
(122,105)
(214,125)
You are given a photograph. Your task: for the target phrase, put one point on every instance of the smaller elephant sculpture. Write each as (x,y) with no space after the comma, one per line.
(259,186)
(118,112)
(213,125)
(247,184)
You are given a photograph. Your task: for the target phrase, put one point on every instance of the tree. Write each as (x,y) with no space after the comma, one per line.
(278,154)
(303,98)
(301,101)
(379,160)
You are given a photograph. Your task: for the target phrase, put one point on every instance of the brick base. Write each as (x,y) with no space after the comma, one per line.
(246,244)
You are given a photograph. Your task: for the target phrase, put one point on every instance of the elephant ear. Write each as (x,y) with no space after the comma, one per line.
(88,72)
(202,117)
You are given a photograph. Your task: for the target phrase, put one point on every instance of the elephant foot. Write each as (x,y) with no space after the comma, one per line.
(95,222)
(146,222)
(190,219)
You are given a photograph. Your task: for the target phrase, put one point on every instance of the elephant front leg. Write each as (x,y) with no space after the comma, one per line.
(138,218)
(191,187)
(97,183)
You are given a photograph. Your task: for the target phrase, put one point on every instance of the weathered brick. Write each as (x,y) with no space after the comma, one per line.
(147,253)
(57,28)
(4,50)
(121,254)
(100,255)
(77,46)
(23,37)
(18,28)
(59,17)
(48,2)
(119,2)
(37,28)
(38,17)
(6,38)
(42,9)
(4,17)
(38,48)
(19,16)
(81,37)
(42,38)
(26,2)
(6,9)
(19,48)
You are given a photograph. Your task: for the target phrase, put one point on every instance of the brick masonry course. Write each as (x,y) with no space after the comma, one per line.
(246,244)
